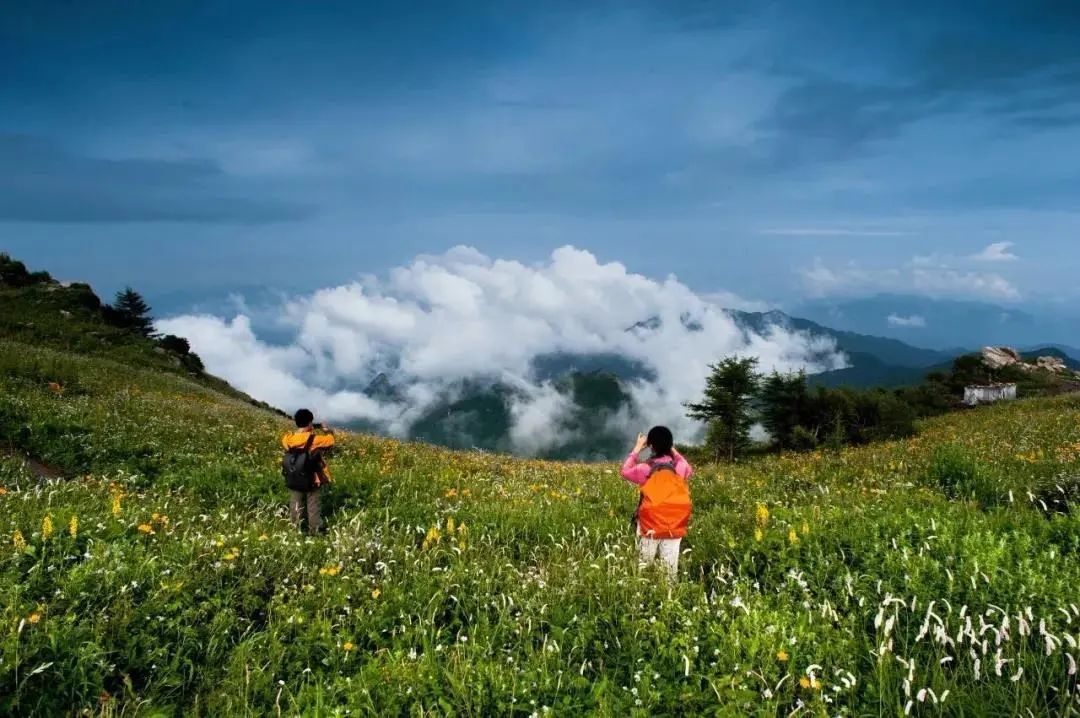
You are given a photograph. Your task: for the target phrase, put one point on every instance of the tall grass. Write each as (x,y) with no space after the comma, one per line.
(928,576)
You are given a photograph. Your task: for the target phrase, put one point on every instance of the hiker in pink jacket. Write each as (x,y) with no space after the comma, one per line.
(664,454)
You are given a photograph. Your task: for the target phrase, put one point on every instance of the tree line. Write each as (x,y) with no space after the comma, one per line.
(800,417)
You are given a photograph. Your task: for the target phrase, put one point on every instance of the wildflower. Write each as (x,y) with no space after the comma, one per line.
(330,571)
(805,529)
(34,618)
(73,526)
(431,538)
(263,537)
(804,682)
(18,541)
(450,493)
(348,646)
(792,537)
(231,555)
(2,490)
(782,656)
(762,515)
(116,505)
(46,528)
(146,528)
(376,593)
(450,525)
(758,534)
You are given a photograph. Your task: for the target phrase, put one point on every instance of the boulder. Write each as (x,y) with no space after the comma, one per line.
(1000,357)
(1054,364)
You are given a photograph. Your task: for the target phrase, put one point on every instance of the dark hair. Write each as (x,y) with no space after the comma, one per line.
(660,440)
(303,418)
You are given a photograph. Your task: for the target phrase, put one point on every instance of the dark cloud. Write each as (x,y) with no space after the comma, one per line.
(41,181)
(1019,62)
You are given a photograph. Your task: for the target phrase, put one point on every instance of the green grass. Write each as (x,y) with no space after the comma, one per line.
(874,575)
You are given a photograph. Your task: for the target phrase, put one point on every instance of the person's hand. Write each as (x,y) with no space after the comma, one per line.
(640,444)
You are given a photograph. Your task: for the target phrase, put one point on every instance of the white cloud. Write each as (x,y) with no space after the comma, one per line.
(913,322)
(996,252)
(930,275)
(462,315)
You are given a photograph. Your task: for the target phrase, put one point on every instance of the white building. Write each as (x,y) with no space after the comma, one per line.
(975,395)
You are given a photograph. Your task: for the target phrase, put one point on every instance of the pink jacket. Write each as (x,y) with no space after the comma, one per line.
(638,472)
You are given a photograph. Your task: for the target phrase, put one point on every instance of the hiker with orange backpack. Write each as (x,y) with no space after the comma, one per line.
(664,509)
(304,468)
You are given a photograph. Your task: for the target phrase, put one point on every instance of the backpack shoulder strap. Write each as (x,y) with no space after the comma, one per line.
(306,447)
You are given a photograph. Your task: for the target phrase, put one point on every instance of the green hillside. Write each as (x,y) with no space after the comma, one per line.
(36,309)
(159,575)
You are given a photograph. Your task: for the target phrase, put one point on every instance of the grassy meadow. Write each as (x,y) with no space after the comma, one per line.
(934,576)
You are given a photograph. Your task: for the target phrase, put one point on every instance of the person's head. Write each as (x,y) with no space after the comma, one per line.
(304,418)
(660,440)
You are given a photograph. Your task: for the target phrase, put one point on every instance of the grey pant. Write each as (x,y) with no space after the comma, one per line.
(297,501)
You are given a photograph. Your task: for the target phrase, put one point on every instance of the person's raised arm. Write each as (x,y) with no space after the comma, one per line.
(682,466)
(633,470)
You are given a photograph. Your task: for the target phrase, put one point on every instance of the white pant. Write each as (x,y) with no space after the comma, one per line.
(668,549)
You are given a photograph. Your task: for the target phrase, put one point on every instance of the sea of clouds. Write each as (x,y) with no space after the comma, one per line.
(440,320)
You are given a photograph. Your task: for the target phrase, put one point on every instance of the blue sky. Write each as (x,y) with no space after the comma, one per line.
(780,151)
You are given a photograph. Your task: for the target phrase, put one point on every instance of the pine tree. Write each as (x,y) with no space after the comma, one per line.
(784,400)
(134,312)
(729,391)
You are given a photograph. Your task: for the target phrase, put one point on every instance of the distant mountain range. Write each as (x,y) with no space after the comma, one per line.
(945,324)
(479,413)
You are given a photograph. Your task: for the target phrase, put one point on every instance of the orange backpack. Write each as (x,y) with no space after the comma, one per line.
(665,505)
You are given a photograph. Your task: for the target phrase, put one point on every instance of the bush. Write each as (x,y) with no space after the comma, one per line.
(956,473)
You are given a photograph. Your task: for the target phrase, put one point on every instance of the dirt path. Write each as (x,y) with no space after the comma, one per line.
(39,469)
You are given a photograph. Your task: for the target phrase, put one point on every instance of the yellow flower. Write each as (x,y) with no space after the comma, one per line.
(450,525)
(805,529)
(792,536)
(451,493)
(116,505)
(34,618)
(782,656)
(762,515)
(230,556)
(330,571)
(376,593)
(46,528)
(18,541)
(73,526)
(146,528)
(433,536)
(758,534)
(348,646)
(804,682)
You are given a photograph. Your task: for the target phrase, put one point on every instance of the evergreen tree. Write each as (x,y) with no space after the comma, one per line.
(784,402)
(133,312)
(729,391)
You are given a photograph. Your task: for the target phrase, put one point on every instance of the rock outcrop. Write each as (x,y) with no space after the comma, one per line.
(1054,364)
(1001,357)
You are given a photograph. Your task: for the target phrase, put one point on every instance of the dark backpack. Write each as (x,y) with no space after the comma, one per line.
(300,467)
